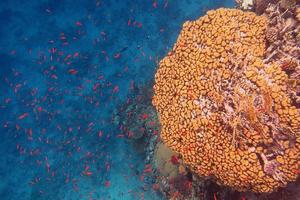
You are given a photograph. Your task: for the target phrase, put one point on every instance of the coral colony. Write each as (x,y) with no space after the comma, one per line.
(227,103)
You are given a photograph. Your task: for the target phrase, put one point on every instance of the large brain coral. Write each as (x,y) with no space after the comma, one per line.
(223,109)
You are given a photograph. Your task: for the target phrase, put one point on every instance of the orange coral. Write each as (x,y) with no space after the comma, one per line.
(223,109)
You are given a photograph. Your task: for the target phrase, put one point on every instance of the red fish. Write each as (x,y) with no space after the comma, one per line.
(107,167)
(120,135)
(72,71)
(100,134)
(151,123)
(23,116)
(17,87)
(148,168)
(154,4)
(78,23)
(53,76)
(67,57)
(48,167)
(67,179)
(30,133)
(87,173)
(116,89)
(128,22)
(75,54)
(117,55)
(174,160)
(95,86)
(155,186)
(7,100)
(142,177)
(144,116)
(215,196)
(107,183)
(129,134)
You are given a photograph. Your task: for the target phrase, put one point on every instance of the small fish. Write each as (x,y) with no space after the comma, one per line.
(30,133)
(53,76)
(155,186)
(148,169)
(144,116)
(78,23)
(17,87)
(100,134)
(142,177)
(154,4)
(48,11)
(72,71)
(151,123)
(174,160)
(107,183)
(128,22)
(120,135)
(116,89)
(48,167)
(67,179)
(95,86)
(215,196)
(67,57)
(117,55)
(129,134)
(123,49)
(166,4)
(75,54)
(107,165)
(24,115)
(87,173)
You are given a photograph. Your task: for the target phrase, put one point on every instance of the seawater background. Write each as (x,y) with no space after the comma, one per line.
(109,46)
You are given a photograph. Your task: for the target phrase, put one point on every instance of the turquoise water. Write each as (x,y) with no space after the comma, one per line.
(65,68)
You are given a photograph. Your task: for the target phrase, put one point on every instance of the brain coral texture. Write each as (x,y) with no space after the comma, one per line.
(223,109)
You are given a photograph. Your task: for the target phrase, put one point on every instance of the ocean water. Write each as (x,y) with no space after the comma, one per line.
(65,67)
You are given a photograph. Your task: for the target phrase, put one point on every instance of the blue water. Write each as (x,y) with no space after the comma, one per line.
(65,66)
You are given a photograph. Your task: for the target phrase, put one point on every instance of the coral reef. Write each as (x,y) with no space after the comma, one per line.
(225,107)
(245,4)
(139,124)
(261,5)
(137,118)
(283,38)
(163,156)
